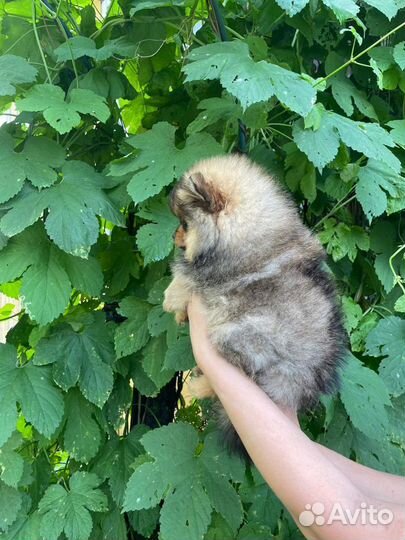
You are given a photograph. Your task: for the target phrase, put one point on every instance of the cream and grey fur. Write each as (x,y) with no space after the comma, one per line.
(271,306)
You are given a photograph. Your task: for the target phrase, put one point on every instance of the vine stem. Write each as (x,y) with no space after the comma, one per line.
(337,207)
(41,51)
(353,59)
(11,316)
(397,278)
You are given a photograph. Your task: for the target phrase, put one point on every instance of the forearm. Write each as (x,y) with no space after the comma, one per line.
(384,486)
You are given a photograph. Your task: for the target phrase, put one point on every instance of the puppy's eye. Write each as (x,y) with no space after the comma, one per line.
(184,225)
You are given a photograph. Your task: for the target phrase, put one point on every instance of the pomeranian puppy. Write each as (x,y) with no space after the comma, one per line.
(271,306)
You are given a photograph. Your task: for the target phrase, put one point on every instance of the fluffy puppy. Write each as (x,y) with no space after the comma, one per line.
(271,306)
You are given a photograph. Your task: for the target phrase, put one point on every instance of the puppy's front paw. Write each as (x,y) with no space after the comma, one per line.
(181,317)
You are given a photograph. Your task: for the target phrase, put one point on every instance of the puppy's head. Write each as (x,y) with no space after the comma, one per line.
(230,207)
(197,202)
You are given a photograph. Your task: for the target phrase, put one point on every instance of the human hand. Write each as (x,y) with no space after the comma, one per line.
(204,352)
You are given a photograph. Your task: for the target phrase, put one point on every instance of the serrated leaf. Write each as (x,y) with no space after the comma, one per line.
(365,398)
(132,334)
(69,511)
(145,488)
(31,386)
(342,239)
(352,312)
(155,240)
(79,46)
(343,9)
(375,181)
(250,82)
(387,340)
(152,174)
(10,504)
(159,321)
(398,131)
(214,110)
(265,507)
(14,70)
(400,304)
(60,114)
(178,470)
(145,521)
(115,460)
(82,358)
(382,243)
(73,205)
(322,145)
(292,7)
(36,162)
(399,54)
(388,7)
(11,462)
(153,357)
(186,513)
(179,355)
(82,435)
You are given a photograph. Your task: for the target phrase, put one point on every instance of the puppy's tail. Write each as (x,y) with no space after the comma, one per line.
(231,438)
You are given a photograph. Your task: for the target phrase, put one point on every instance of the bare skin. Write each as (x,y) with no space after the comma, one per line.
(298,470)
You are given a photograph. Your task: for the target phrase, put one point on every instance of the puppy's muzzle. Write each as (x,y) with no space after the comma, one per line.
(180,238)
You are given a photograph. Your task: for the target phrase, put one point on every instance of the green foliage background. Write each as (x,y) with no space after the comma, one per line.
(104,113)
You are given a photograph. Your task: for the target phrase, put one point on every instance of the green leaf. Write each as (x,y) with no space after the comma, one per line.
(36,162)
(60,114)
(250,82)
(345,94)
(179,355)
(215,110)
(399,54)
(190,481)
(400,304)
(79,46)
(144,521)
(186,513)
(321,145)
(387,339)
(352,312)
(10,504)
(383,245)
(343,9)
(14,70)
(32,387)
(47,274)
(73,205)
(343,239)
(152,174)
(265,508)
(155,240)
(398,131)
(132,335)
(375,181)
(388,7)
(82,358)
(292,7)
(365,398)
(115,461)
(11,462)
(153,359)
(82,436)
(69,511)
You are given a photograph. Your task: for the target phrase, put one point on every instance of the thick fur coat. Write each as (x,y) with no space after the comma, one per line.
(271,306)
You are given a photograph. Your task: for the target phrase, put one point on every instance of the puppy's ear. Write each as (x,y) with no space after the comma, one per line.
(204,194)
